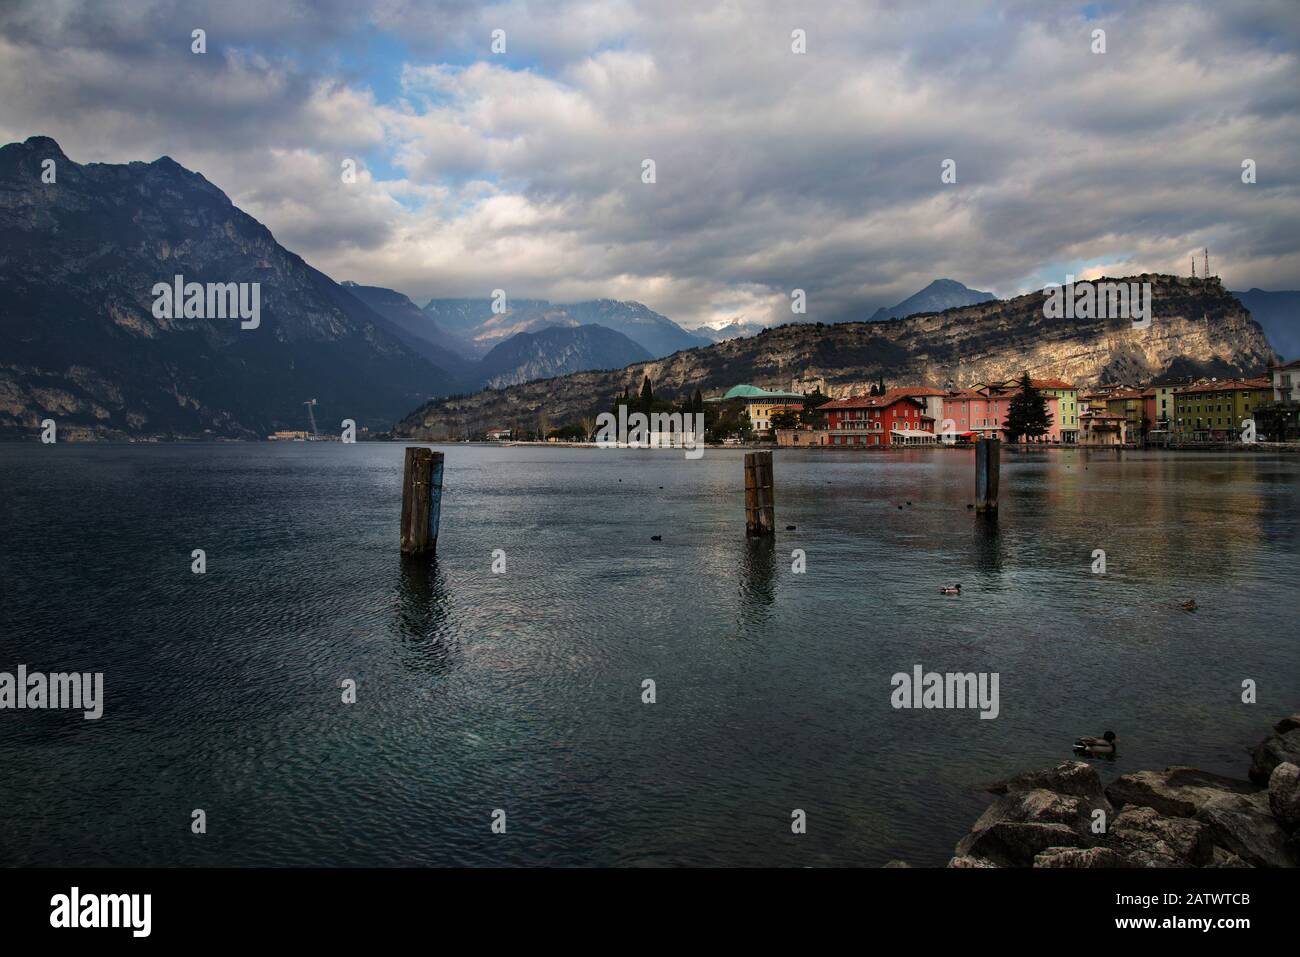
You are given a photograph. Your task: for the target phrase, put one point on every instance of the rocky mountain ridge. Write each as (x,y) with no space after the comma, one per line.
(1197,327)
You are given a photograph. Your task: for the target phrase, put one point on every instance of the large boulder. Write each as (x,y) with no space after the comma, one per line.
(1075,778)
(1086,857)
(1148,839)
(1280,747)
(964,861)
(1014,844)
(1176,792)
(1038,806)
(1245,826)
(1284,795)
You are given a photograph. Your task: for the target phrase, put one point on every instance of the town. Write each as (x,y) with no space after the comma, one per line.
(1169,412)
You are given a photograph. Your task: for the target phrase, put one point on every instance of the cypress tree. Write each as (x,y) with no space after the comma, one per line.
(1027,415)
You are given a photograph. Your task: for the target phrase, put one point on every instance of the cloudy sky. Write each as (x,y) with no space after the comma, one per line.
(775,170)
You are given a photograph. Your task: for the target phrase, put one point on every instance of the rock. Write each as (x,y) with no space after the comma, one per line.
(1245,826)
(1076,778)
(1176,791)
(1281,747)
(1284,795)
(1013,844)
(1222,858)
(1038,806)
(1088,857)
(963,861)
(1150,840)
(897,863)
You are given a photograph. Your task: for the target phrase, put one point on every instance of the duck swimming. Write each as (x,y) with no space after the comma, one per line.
(1189,605)
(1103,745)
(950,590)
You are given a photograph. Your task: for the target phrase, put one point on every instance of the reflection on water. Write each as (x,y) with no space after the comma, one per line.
(423,606)
(988,550)
(757,570)
(478,690)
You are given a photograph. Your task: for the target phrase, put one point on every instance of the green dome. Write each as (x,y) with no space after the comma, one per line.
(754,392)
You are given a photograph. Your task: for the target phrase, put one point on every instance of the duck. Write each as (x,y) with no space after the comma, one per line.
(1189,605)
(789,528)
(950,590)
(1103,745)
(656,538)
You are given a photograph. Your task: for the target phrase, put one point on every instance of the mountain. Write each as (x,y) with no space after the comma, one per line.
(474,320)
(86,340)
(1196,327)
(939,295)
(1278,313)
(436,343)
(736,329)
(556,351)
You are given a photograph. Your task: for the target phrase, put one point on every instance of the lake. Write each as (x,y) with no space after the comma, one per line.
(522,691)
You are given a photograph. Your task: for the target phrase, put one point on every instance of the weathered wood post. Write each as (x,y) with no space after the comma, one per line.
(760,501)
(987,465)
(421,501)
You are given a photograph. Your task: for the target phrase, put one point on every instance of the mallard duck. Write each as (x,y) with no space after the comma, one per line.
(1103,745)
(950,590)
(1189,605)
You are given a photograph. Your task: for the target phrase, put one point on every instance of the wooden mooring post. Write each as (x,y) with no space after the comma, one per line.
(987,465)
(760,501)
(421,501)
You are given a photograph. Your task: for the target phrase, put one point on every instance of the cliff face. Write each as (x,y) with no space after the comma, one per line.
(80,342)
(1196,327)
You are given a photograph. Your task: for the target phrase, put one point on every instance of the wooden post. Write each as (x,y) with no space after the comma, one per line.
(760,501)
(421,501)
(987,465)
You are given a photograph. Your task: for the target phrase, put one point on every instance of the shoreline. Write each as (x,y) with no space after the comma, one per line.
(1062,817)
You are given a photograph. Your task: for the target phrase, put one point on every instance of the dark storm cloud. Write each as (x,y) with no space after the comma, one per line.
(775,171)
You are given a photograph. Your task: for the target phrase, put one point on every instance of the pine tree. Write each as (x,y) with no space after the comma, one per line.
(647,396)
(1027,415)
(697,401)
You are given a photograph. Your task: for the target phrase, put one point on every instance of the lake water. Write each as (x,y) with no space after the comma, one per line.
(522,691)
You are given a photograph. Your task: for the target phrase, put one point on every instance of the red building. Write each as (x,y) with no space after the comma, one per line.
(882,420)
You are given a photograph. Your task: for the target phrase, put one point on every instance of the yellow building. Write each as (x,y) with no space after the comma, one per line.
(1215,411)
(761,404)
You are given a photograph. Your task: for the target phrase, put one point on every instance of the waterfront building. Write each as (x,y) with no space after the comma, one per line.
(1065,414)
(1279,420)
(1214,411)
(1285,380)
(891,419)
(1165,388)
(760,404)
(1137,406)
(981,411)
(1102,428)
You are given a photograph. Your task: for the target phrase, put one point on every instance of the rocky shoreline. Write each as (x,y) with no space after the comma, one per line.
(1178,817)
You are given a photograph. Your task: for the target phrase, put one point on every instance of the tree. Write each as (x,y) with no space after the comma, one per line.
(1027,415)
(811,402)
(697,402)
(647,396)
(785,419)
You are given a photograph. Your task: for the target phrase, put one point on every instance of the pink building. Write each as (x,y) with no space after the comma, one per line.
(981,411)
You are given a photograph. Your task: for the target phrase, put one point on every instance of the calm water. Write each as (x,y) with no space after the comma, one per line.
(522,691)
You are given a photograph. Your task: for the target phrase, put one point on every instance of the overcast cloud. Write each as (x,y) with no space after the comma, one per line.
(775,170)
